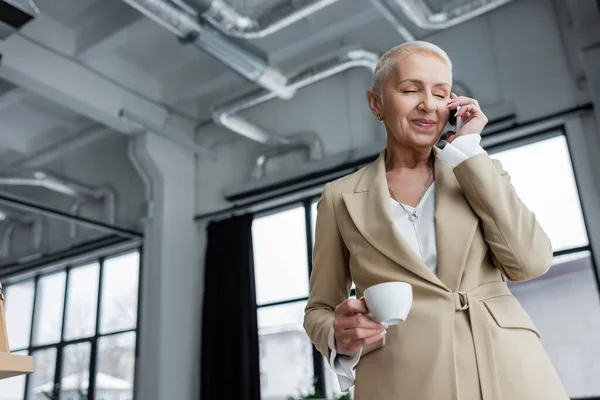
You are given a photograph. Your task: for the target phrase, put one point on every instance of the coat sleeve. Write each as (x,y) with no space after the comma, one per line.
(330,280)
(520,247)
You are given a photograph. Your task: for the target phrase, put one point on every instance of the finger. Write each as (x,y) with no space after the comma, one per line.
(356,321)
(468,109)
(356,344)
(461,101)
(352,306)
(373,339)
(359,333)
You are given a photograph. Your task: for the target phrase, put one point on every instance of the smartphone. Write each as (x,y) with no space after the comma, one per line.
(452,120)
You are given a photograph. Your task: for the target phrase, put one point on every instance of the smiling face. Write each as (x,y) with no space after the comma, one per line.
(413,100)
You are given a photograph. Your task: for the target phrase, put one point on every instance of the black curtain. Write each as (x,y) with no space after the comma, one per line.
(230,368)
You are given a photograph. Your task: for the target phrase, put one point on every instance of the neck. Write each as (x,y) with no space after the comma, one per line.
(397,157)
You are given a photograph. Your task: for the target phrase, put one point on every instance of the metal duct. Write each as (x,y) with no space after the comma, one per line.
(247,60)
(60,185)
(421,15)
(279,15)
(322,69)
(308,141)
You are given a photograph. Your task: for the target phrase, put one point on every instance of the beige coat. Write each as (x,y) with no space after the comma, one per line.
(485,234)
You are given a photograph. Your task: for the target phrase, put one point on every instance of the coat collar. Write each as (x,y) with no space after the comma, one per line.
(455,223)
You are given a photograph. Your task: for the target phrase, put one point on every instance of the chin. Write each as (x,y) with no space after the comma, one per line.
(426,140)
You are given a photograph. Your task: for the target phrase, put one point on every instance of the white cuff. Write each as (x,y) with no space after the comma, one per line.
(341,364)
(461,149)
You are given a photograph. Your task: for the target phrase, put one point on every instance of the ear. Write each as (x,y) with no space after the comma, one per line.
(374,102)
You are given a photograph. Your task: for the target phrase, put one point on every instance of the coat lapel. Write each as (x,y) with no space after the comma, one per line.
(455,224)
(369,209)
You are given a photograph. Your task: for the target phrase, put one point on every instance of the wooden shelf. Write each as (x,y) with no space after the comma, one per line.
(14,365)
(11,364)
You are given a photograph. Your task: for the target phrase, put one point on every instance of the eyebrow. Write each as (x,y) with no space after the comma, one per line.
(421,82)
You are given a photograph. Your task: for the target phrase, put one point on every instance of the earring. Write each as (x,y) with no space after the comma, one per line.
(380,117)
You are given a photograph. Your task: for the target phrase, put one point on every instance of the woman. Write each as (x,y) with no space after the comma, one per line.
(449,223)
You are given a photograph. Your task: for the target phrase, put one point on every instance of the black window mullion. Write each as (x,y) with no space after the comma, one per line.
(94,352)
(572,250)
(319,370)
(28,379)
(59,349)
(138,320)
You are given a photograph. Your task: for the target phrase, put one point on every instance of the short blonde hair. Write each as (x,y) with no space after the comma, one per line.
(386,62)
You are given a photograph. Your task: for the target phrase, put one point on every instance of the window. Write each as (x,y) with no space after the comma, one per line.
(542,175)
(80,325)
(290,366)
(563,303)
(281,274)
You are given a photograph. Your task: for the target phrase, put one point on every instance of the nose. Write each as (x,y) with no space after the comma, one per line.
(427,103)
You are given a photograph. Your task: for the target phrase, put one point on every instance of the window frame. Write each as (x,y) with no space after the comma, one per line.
(501,145)
(67,266)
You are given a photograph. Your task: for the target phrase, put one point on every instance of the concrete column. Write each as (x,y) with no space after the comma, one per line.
(169,360)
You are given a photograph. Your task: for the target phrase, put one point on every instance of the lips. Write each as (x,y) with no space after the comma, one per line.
(424,123)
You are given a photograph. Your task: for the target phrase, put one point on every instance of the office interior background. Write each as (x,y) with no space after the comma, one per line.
(131,128)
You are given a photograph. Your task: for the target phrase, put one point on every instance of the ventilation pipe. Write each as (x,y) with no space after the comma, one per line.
(310,142)
(326,67)
(279,15)
(421,15)
(81,192)
(243,58)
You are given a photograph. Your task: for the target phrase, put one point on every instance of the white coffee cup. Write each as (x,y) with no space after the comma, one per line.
(389,303)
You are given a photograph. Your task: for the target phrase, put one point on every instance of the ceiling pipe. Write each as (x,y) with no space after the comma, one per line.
(421,15)
(247,60)
(278,16)
(309,142)
(56,184)
(225,114)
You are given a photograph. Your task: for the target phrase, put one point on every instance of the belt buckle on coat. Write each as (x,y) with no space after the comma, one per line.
(461,301)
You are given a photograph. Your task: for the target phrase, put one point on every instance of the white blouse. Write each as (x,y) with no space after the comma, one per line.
(420,235)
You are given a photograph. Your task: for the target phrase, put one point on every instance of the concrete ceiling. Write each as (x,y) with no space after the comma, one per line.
(76,61)
(79,62)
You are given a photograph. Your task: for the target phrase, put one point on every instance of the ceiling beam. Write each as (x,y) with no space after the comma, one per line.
(11,97)
(12,140)
(110,32)
(69,82)
(63,147)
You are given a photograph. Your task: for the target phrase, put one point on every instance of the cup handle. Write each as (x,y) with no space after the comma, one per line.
(369,315)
